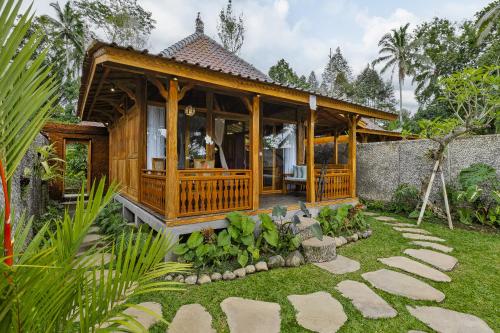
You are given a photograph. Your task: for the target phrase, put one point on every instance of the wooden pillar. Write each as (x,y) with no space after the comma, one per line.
(142,104)
(311,177)
(172,184)
(255,150)
(335,148)
(300,142)
(352,120)
(210,123)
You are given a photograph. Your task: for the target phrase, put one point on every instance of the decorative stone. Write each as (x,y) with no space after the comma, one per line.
(203,279)
(403,285)
(190,279)
(414,267)
(250,269)
(294,259)
(414,230)
(385,218)
(249,316)
(191,318)
(366,300)
(339,241)
(366,233)
(169,277)
(439,260)
(276,261)
(179,278)
(352,238)
(261,266)
(228,275)
(318,312)
(422,237)
(448,321)
(305,227)
(434,246)
(240,272)
(339,265)
(316,250)
(216,276)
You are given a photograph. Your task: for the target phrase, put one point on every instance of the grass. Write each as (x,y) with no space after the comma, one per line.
(474,289)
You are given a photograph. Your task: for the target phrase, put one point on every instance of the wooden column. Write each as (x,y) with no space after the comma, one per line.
(255,150)
(352,120)
(311,181)
(142,104)
(210,123)
(172,184)
(300,142)
(336,148)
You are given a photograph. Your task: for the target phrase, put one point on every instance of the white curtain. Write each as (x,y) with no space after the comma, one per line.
(156,134)
(289,146)
(218,138)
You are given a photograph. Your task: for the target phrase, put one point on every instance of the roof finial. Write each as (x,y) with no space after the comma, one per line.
(199,24)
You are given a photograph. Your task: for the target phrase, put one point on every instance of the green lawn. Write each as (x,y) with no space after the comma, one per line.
(475,286)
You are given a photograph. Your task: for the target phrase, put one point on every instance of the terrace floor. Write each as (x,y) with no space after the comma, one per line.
(268,201)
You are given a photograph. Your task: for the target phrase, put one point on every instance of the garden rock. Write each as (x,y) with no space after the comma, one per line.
(439,260)
(203,279)
(190,279)
(422,237)
(261,266)
(318,312)
(366,300)
(439,247)
(448,321)
(228,275)
(339,241)
(414,230)
(366,233)
(249,316)
(250,269)
(216,276)
(414,267)
(352,238)
(403,285)
(275,261)
(169,277)
(305,227)
(340,265)
(316,250)
(294,259)
(240,272)
(191,318)
(179,278)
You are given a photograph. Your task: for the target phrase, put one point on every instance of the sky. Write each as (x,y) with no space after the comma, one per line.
(302,31)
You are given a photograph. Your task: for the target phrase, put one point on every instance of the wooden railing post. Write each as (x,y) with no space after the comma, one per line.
(254,150)
(311,177)
(171,182)
(352,122)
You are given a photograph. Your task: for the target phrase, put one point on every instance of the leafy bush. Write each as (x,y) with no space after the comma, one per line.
(405,199)
(345,219)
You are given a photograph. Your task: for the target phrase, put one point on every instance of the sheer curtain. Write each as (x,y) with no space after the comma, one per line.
(156,134)
(289,146)
(218,138)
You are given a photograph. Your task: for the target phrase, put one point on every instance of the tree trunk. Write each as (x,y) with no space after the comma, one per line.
(446,205)
(428,191)
(400,101)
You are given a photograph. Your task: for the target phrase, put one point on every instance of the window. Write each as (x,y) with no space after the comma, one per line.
(156,134)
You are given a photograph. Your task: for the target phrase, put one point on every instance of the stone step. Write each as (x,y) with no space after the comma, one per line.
(191,318)
(93,230)
(414,267)
(339,265)
(448,321)
(403,285)
(316,250)
(400,224)
(366,300)
(434,246)
(90,240)
(94,259)
(414,230)
(249,316)
(318,312)
(305,227)
(439,260)
(422,237)
(385,218)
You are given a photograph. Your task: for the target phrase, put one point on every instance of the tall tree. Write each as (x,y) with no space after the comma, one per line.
(487,20)
(283,73)
(336,65)
(312,81)
(230,29)
(396,52)
(370,89)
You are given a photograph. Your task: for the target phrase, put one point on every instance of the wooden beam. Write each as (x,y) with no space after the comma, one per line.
(352,122)
(311,188)
(130,93)
(98,91)
(172,184)
(184,90)
(115,104)
(255,150)
(246,103)
(159,85)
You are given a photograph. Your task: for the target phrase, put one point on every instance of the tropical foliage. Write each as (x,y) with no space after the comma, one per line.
(344,220)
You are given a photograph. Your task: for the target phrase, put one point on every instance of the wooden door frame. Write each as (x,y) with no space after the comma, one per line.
(88,142)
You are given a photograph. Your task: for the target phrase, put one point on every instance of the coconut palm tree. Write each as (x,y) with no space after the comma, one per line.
(487,20)
(396,52)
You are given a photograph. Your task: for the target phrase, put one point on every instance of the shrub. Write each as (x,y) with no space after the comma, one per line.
(405,199)
(346,219)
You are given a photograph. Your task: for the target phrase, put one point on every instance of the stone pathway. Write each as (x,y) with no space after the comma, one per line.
(191,318)
(385,218)
(370,214)
(414,230)
(422,237)
(366,300)
(340,265)
(318,312)
(400,224)
(249,316)
(439,260)
(439,247)
(144,318)
(414,267)
(403,285)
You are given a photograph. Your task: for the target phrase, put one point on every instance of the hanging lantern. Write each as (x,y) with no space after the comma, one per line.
(189,111)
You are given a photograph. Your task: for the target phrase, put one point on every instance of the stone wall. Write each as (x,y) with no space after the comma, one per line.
(382,166)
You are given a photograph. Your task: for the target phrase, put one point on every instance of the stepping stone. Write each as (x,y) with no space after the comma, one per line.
(385,218)
(93,230)
(95,259)
(366,300)
(415,230)
(318,312)
(370,214)
(449,321)
(144,318)
(439,260)
(249,316)
(414,267)
(400,224)
(90,240)
(191,318)
(422,237)
(413,331)
(434,246)
(403,285)
(316,250)
(339,265)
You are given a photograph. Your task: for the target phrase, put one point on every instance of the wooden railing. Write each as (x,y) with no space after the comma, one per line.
(153,190)
(336,184)
(206,191)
